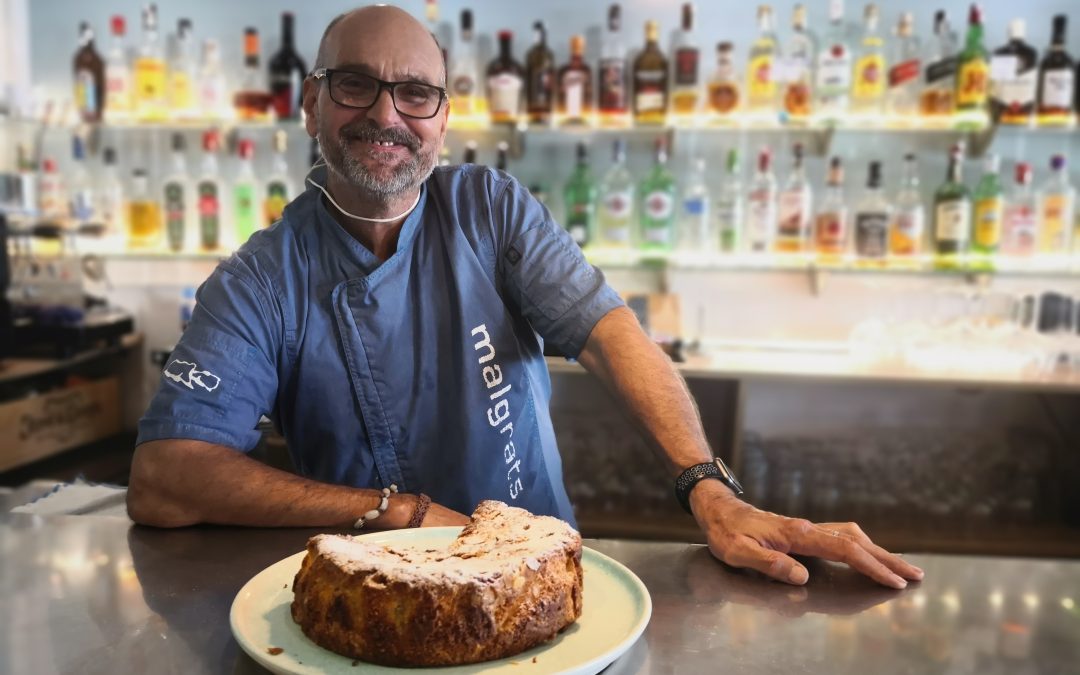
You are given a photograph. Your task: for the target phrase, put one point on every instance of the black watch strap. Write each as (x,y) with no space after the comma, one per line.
(715,469)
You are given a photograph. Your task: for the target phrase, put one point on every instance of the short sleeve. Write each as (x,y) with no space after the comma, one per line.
(545,273)
(222,376)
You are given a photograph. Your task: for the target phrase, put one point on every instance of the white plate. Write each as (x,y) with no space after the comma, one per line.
(615,610)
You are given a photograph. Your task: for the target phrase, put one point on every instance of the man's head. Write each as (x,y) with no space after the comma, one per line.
(387,43)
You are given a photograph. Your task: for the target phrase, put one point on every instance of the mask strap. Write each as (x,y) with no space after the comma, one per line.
(353,216)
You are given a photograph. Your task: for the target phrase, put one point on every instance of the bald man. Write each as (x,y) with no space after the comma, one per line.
(390,324)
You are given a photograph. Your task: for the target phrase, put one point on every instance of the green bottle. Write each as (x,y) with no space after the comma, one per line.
(973,68)
(989,211)
(579,196)
(952,214)
(245,209)
(658,204)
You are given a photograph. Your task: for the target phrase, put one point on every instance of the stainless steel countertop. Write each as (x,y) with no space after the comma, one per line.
(90,594)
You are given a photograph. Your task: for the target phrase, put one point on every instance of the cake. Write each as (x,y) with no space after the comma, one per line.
(508,582)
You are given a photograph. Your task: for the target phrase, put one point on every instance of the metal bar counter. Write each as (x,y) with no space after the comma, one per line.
(92,594)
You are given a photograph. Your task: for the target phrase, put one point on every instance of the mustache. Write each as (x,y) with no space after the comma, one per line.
(369,132)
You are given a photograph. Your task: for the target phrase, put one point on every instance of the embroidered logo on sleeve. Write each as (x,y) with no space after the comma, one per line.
(188,374)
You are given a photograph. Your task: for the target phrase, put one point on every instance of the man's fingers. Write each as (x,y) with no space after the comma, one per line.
(748,553)
(842,547)
(890,560)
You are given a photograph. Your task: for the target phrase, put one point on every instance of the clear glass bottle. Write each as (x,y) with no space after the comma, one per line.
(761,89)
(144,214)
(213,89)
(465,73)
(1055,206)
(657,208)
(834,67)
(936,98)
(118,77)
(52,193)
(1021,233)
(872,215)
(800,58)
(908,228)
(724,97)
(252,100)
(730,202)
(905,71)
(761,206)
(182,76)
(579,196)
(279,188)
(615,215)
(831,221)
(80,188)
(695,231)
(150,98)
(868,90)
(245,200)
(111,195)
(176,193)
(795,208)
(686,83)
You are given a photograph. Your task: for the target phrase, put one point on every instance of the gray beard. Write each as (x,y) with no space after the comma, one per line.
(405,178)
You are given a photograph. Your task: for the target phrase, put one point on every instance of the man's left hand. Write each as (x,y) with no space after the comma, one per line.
(743,536)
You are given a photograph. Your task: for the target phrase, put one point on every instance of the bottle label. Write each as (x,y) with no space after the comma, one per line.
(505,94)
(972,83)
(696,207)
(539,91)
(613,85)
(988,216)
(285,91)
(209,213)
(939,71)
(659,206)
(761,218)
(463,85)
(829,229)
(577,222)
(1016,93)
(686,67)
(794,219)
(149,79)
(870,76)
(277,198)
(723,97)
(871,230)
(86,94)
(1055,219)
(728,216)
(904,72)
(579,233)
(1057,89)
(834,70)
(212,95)
(573,88)
(617,205)
(181,96)
(907,231)
(175,220)
(759,75)
(650,91)
(1020,233)
(952,221)
(82,205)
(117,89)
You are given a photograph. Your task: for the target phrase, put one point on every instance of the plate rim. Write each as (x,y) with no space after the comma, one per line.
(593,665)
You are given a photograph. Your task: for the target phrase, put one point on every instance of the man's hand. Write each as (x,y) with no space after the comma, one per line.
(440,516)
(743,536)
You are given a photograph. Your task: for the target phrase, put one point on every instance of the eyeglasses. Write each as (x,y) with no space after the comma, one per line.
(357,90)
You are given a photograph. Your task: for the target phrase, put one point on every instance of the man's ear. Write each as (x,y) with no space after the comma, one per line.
(311,98)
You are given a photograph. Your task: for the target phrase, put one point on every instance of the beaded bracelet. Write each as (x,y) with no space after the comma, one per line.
(420,512)
(375,513)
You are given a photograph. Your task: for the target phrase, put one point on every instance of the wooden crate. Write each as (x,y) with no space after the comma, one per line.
(37,427)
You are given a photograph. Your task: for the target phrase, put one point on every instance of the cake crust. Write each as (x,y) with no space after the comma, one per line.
(508,582)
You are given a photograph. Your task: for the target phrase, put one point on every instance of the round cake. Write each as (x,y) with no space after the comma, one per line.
(508,582)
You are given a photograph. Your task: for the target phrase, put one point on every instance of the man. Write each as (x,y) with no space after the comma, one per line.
(388,324)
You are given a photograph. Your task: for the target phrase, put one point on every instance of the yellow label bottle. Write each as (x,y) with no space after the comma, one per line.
(988,219)
(972,83)
(150,88)
(181,92)
(759,78)
(1054,223)
(869,77)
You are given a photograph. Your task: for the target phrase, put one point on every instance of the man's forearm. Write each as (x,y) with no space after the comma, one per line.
(177,482)
(644,380)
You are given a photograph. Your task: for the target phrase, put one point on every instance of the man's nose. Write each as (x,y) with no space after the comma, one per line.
(382,111)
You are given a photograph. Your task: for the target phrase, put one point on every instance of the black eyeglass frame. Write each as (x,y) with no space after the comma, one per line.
(327,73)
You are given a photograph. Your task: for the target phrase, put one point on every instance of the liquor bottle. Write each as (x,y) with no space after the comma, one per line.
(723,97)
(657,207)
(989,210)
(686,89)
(502,156)
(904,70)
(834,67)
(730,204)
(278,186)
(952,213)
(802,50)
(831,221)
(614,99)
(150,100)
(89,72)
(252,99)
(27,172)
(651,80)
(118,85)
(540,78)
(287,73)
(1013,97)
(761,205)
(1057,79)
(1020,236)
(695,231)
(245,209)
(907,230)
(208,191)
(615,215)
(213,89)
(111,197)
(181,73)
(1055,209)
(469,156)
(872,216)
(795,208)
(52,195)
(937,95)
(575,85)
(505,78)
(144,214)
(973,69)
(579,195)
(760,70)
(465,100)
(868,90)
(80,190)
(176,191)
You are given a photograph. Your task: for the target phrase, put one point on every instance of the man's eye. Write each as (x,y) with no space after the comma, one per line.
(354,85)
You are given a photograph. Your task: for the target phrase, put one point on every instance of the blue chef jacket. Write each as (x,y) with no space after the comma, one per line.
(425,370)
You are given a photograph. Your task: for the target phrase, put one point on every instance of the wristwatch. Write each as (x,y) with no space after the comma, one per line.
(699,472)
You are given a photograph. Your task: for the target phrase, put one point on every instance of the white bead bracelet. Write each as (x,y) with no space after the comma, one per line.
(375,513)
